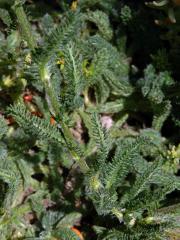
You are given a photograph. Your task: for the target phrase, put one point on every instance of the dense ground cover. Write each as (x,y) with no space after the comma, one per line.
(89,119)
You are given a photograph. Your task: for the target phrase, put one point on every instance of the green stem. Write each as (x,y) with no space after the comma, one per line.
(24,24)
(55,108)
(69,138)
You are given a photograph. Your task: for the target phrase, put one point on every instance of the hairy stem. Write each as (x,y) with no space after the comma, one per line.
(24,24)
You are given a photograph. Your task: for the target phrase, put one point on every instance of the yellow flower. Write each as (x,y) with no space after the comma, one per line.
(74,5)
(95,183)
(87,69)
(61,62)
(174,152)
(28,58)
(118,214)
(8,81)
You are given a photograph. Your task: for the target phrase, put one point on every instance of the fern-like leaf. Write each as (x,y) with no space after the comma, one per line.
(34,125)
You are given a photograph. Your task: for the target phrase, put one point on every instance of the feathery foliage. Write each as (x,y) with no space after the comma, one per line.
(89,120)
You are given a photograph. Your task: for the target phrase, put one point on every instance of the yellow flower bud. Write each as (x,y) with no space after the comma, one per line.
(95,183)
(149,220)
(118,214)
(61,62)
(28,58)
(74,5)
(8,81)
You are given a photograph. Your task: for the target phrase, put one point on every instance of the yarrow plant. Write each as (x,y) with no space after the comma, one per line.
(89,121)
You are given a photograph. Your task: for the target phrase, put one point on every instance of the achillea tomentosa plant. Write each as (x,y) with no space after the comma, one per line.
(67,104)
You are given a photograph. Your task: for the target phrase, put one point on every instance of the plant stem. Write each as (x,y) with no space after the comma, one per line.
(24,24)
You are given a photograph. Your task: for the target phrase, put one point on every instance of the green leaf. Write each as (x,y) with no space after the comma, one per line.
(69,220)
